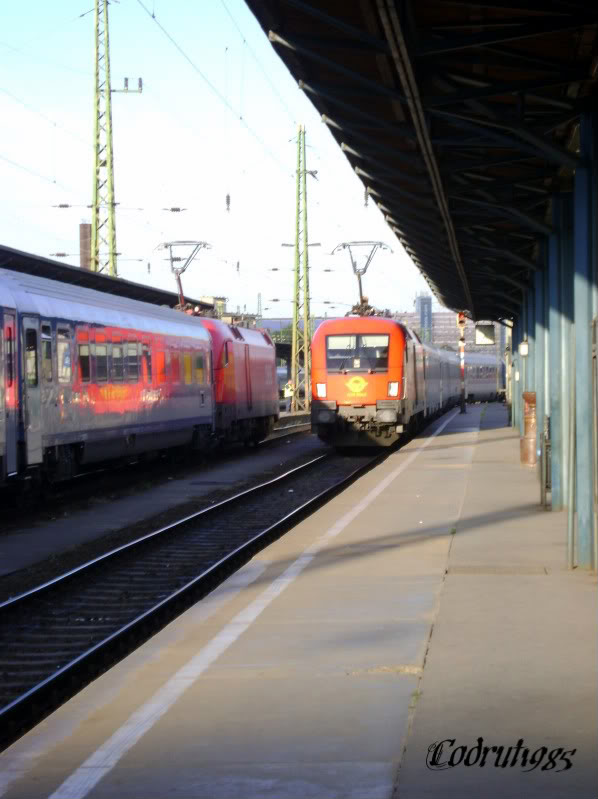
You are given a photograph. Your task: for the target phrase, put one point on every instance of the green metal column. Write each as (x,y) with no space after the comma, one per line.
(539,340)
(523,361)
(306,309)
(554,350)
(103,222)
(515,374)
(301,336)
(567,365)
(530,374)
(582,298)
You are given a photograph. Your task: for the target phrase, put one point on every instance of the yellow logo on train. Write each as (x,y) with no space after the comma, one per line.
(356,386)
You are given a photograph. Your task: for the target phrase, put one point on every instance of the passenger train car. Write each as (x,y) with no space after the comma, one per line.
(87,376)
(373,379)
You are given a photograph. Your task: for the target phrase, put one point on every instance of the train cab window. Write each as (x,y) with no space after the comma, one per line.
(146,361)
(354,353)
(132,362)
(84,363)
(225,354)
(63,355)
(117,363)
(31,357)
(47,353)
(101,363)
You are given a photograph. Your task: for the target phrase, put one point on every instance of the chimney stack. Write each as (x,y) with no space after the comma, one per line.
(85,245)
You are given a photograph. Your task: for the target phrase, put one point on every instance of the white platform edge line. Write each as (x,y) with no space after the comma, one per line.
(24,754)
(103,760)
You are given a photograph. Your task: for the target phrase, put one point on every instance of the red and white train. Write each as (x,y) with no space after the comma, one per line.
(373,379)
(88,376)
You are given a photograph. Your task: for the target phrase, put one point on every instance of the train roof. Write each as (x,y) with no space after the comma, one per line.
(55,299)
(222,331)
(36,265)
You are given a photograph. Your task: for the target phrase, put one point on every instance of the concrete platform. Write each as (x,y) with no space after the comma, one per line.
(428,601)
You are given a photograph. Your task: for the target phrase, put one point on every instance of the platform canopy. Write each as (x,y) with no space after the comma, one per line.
(461,119)
(19,261)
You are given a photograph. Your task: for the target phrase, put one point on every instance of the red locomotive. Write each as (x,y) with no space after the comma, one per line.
(373,379)
(245,384)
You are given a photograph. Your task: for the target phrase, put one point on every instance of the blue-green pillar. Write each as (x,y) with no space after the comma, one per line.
(539,336)
(555,322)
(530,374)
(567,367)
(515,373)
(582,304)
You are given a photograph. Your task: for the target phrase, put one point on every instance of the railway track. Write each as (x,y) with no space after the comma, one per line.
(57,637)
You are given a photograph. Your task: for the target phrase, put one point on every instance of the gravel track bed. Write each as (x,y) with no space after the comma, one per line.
(135,485)
(46,632)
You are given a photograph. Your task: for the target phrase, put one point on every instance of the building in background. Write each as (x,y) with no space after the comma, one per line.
(423,309)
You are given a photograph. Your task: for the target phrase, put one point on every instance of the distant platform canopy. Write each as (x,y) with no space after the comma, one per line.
(461,119)
(19,261)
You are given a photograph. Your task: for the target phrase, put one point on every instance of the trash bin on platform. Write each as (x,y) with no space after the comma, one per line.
(528,440)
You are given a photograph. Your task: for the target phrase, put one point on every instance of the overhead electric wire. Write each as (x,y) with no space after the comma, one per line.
(216,91)
(45,60)
(259,63)
(39,175)
(46,118)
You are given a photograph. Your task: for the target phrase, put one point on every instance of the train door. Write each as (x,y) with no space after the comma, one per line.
(31,390)
(248,377)
(10,392)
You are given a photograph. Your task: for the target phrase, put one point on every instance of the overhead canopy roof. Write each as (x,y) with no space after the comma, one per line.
(461,118)
(20,261)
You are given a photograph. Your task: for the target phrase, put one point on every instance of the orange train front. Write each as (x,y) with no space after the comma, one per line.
(373,379)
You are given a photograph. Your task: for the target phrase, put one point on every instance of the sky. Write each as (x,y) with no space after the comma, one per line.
(218,115)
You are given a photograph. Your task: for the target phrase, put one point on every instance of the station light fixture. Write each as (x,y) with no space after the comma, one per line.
(524,348)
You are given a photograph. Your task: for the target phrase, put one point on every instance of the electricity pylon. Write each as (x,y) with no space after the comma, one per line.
(103,226)
(103,217)
(301,334)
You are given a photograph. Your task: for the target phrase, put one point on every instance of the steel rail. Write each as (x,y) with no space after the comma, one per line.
(28,708)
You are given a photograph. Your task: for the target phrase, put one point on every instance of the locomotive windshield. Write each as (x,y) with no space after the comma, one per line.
(356,353)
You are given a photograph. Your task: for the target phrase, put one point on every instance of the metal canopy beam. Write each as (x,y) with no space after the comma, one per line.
(528,141)
(358,78)
(338,24)
(504,210)
(328,93)
(512,87)
(510,34)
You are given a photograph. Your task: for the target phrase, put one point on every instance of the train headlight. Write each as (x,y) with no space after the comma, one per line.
(393,389)
(321,390)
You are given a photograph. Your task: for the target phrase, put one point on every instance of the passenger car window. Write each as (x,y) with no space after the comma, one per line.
(31,358)
(117,363)
(132,362)
(63,356)
(101,363)
(47,353)
(84,368)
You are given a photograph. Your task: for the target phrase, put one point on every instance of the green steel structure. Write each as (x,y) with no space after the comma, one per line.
(301,345)
(103,224)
